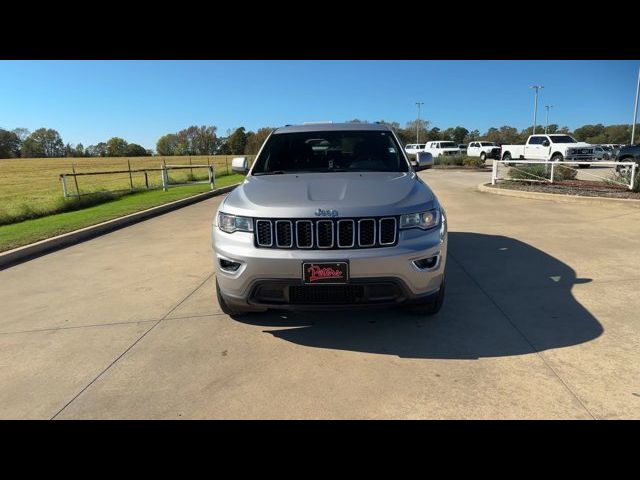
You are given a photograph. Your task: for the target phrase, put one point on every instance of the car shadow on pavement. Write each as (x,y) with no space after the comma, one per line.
(504,297)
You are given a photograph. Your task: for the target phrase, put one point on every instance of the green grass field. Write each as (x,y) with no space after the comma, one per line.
(30,187)
(32,205)
(29,231)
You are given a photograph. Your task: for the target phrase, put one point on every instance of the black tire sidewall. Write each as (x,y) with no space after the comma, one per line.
(222,303)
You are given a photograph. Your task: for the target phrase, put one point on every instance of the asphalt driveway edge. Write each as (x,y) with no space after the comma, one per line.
(22,254)
(558,197)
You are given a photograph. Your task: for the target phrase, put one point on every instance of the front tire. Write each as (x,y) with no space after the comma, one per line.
(557,157)
(624,169)
(506,157)
(431,306)
(483,156)
(224,306)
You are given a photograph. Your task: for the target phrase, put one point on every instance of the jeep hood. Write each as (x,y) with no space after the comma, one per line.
(352,194)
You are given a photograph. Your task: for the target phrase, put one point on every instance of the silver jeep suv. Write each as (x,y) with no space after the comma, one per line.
(330,216)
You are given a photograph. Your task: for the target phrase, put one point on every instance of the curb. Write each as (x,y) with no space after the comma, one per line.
(33,250)
(559,197)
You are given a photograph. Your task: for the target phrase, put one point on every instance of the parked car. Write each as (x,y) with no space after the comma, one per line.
(602,152)
(613,146)
(414,148)
(553,147)
(629,153)
(349,225)
(442,148)
(484,150)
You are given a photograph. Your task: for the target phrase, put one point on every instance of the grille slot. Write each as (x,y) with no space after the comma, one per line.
(304,233)
(346,233)
(325,294)
(264,233)
(387,231)
(324,233)
(367,232)
(284,234)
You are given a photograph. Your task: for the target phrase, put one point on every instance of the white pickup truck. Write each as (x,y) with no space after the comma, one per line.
(554,147)
(414,148)
(442,148)
(483,150)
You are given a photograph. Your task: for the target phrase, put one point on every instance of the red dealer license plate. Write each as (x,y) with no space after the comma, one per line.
(326,272)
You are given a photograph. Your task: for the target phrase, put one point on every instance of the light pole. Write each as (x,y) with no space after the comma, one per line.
(419,104)
(547,107)
(635,111)
(535,107)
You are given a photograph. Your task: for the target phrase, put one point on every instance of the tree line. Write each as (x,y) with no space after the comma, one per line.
(204,140)
(506,134)
(47,142)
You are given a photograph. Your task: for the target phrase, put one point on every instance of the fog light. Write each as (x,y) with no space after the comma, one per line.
(426,263)
(228,265)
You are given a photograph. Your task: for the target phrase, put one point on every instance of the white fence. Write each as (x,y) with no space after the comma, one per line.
(164,175)
(553,165)
(164,172)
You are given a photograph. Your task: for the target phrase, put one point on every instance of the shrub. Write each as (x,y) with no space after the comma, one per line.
(448,160)
(624,177)
(564,173)
(539,171)
(472,162)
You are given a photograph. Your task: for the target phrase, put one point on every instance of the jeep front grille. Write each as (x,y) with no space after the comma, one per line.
(304,233)
(326,233)
(284,234)
(264,232)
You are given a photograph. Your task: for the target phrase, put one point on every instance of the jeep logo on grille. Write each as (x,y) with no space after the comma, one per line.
(326,213)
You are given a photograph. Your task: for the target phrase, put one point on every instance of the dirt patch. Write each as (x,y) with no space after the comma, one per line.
(582,188)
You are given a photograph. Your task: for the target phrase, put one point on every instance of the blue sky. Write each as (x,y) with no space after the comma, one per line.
(91,101)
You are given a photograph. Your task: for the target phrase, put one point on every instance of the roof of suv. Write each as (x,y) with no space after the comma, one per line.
(323,127)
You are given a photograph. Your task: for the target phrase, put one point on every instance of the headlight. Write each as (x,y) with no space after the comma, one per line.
(424,220)
(232,223)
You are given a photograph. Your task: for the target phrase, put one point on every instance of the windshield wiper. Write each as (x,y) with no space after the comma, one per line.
(275,172)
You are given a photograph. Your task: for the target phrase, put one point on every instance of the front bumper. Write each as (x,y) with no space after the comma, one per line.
(372,268)
(494,154)
(575,155)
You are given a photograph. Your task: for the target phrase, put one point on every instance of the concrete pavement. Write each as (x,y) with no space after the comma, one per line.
(540,321)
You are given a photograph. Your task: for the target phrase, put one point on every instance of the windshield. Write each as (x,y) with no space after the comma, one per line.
(330,151)
(562,139)
(448,145)
(487,144)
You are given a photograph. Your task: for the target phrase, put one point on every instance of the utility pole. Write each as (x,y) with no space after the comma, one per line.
(535,107)
(546,128)
(419,104)
(635,111)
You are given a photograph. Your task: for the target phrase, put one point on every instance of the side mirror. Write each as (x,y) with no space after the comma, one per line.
(424,160)
(545,143)
(240,165)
